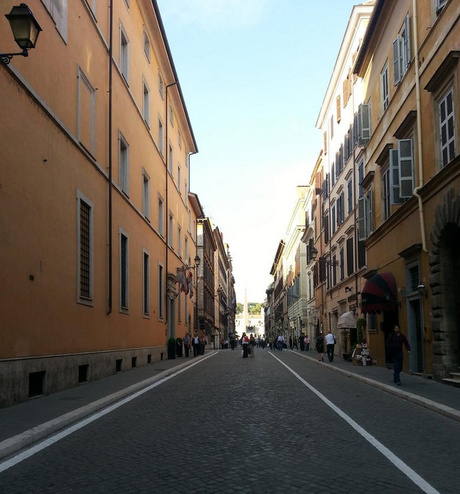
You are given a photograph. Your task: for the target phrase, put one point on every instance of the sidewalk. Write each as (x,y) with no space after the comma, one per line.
(435,396)
(28,422)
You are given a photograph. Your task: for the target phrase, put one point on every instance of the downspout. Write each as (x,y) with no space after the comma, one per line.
(419,129)
(110,225)
(167,205)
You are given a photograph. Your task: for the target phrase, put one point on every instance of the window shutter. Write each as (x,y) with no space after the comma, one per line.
(365,123)
(368,212)
(326,228)
(394,177)
(361,220)
(339,108)
(406,168)
(407,41)
(325,142)
(350,267)
(396,61)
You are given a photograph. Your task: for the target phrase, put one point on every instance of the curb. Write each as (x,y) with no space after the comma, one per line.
(444,410)
(13,444)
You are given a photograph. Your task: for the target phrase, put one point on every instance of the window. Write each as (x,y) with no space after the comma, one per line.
(171,116)
(145,194)
(402,170)
(333,220)
(146,45)
(333,177)
(124,54)
(171,230)
(365,215)
(146,103)
(160,291)
(124,270)
(86,102)
(384,86)
(161,86)
(338,105)
(342,263)
(350,195)
(401,52)
(447,127)
(160,136)
(178,177)
(386,200)
(364,124)
(334,270)
(325,142)
(179,139)
(85,211)
(360,179)
(146,283)
(179,241)
(350,256)
(161,216)
(186,249)
(170,159)
(332,126)
(440,5)
(58,11)
(123,164)
(340,208)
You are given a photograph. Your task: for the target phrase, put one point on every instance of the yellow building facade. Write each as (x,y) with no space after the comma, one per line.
(94,202)
(409,213)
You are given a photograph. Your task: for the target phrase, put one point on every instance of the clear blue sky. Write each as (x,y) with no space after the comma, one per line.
(254,74)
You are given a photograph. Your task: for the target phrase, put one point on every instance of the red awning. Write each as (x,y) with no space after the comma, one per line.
(379,293)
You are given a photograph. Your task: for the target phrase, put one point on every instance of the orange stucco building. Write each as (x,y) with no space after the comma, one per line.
(94,204)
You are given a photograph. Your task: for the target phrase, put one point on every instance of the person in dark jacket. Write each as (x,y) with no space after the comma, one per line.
(320,346)
(394,344)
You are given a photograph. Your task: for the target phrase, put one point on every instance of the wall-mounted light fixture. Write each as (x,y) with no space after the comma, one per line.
(25,30)
(348,289)
(422,291)
(314,255)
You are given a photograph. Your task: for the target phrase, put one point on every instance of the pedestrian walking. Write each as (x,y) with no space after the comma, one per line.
(330,344)
(187,344)
(307,343)
(196,345)
(294,343)
(252,344)
(394,346)
(245,345)
(302,342)
(320,346)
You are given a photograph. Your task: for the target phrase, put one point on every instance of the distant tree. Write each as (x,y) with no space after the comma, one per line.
(254,309)
(239,308)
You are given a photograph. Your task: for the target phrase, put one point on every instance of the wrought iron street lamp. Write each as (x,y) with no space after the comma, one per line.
(314,255)
(25,30)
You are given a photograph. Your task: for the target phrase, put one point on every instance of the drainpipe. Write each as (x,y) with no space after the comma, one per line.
(110,225)
(167,203)
(419,129)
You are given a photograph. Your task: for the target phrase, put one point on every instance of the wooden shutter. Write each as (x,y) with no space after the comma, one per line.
(365,123)
(396,61)
(361,220)
(325,142)
(407,43)
(406,168)
(395,197)
(350,257)
(339,108)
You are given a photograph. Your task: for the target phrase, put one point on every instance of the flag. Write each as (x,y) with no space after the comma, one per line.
(190,284)
(180,278)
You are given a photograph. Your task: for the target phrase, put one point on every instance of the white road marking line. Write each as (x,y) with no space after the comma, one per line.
(413,476)
(27,453)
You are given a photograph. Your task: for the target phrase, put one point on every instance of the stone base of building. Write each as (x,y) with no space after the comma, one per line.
(25,378)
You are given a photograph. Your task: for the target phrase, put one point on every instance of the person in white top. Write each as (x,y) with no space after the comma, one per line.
(330,342)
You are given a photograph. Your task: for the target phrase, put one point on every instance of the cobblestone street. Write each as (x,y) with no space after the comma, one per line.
(231,425)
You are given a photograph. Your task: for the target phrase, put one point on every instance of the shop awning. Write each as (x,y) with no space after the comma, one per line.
(379,293)
(347,321)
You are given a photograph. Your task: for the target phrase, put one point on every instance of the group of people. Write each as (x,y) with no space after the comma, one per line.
(330,341)
(196,343)
(248,344)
